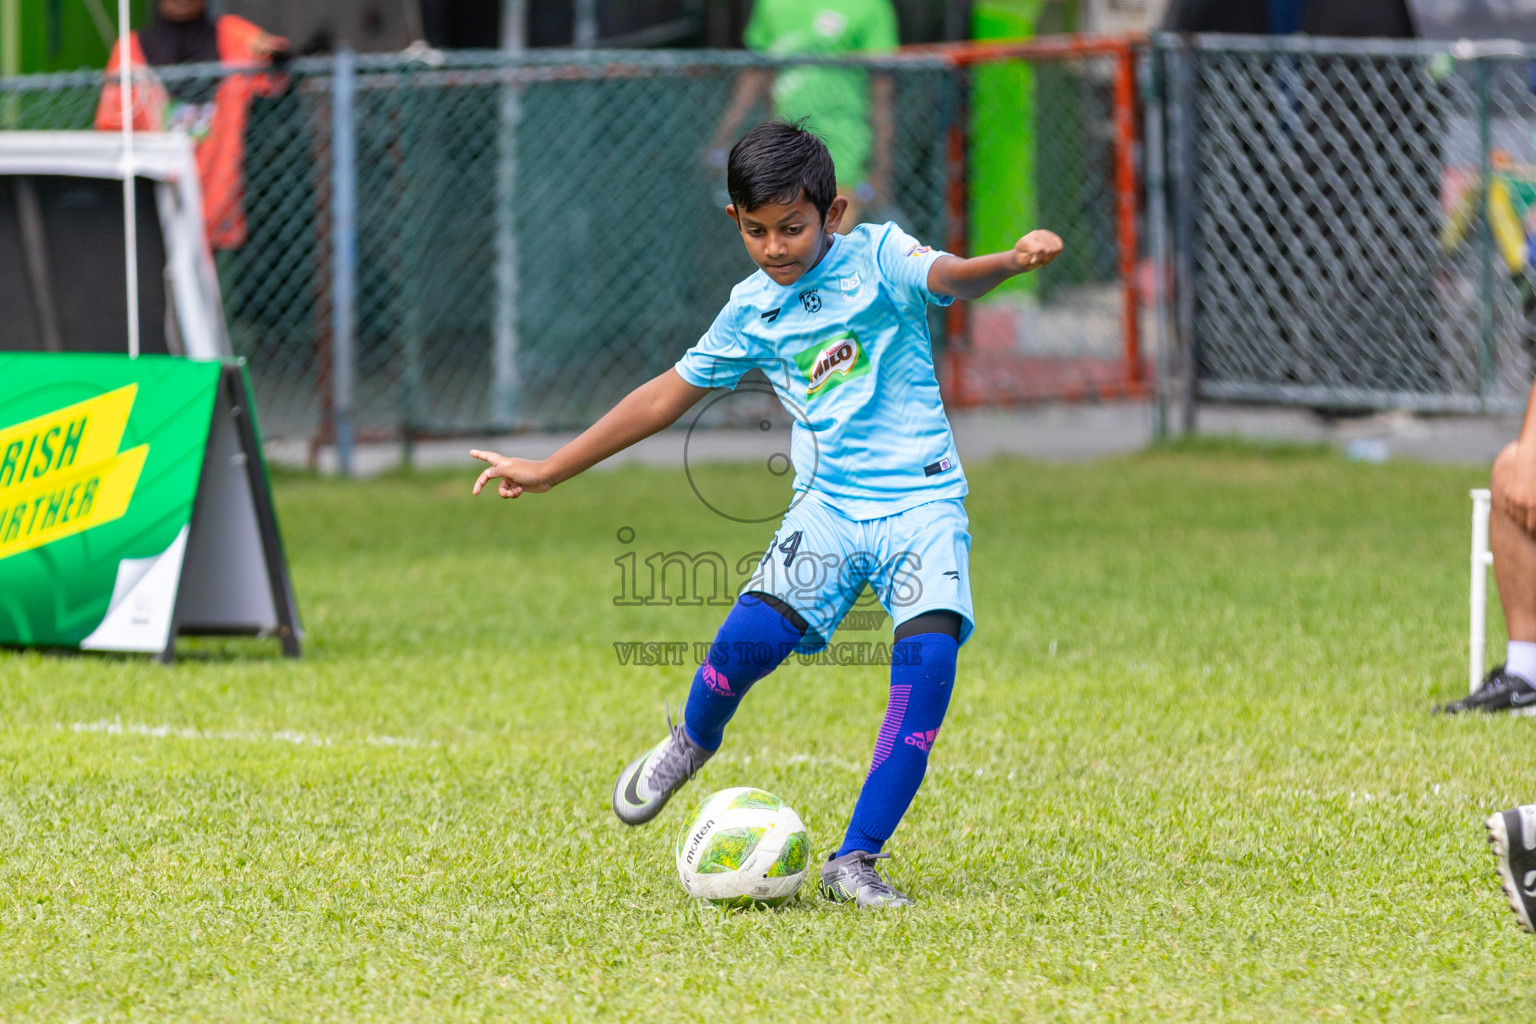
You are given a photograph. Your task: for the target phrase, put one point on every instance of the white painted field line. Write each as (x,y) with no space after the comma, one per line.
(790,759)
(116,727)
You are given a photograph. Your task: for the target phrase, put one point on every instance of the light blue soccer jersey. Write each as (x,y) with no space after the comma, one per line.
(847,349)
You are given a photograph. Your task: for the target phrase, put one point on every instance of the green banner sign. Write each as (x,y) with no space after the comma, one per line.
(102,469)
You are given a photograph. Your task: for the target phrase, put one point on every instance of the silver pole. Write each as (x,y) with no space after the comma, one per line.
(130,210)
(586,24)
(504,382)
(343,251)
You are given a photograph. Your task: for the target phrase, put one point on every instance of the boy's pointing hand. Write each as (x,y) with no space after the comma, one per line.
(516,475)
(1036,249)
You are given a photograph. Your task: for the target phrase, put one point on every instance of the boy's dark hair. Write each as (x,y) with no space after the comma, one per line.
(776,160)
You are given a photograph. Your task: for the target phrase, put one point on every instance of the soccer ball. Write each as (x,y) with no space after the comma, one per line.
(743,848)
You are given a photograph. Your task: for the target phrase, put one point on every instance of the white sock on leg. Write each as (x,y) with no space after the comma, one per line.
(1521,659)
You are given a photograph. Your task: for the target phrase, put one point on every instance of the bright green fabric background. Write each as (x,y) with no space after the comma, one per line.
(1002,144)
(55,595)
(835,100)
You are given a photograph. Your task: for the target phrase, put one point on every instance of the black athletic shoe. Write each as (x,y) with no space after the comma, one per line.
(1512,834)
(1501,691)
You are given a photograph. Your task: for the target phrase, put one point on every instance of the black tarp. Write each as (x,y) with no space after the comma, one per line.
(61,250)
(1351,18)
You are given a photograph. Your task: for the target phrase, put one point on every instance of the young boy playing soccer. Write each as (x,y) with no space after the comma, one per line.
(839,325)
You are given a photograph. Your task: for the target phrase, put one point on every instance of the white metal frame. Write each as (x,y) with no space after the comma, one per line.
(162,157)
(1482,558)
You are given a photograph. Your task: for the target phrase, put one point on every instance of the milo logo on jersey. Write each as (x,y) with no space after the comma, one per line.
(831,362)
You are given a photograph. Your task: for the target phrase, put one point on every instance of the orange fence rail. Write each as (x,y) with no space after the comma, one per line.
(973,374)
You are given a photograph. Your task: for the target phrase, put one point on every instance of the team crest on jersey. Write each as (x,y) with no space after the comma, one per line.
(831,362)
(830,24)
(851,284)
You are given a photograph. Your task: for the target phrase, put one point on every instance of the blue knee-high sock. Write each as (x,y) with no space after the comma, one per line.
(751,643)
(922,677)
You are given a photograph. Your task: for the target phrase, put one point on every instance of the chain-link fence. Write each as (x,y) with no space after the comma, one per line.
(1352,220)
(530,238)
(456,243)
(462,242)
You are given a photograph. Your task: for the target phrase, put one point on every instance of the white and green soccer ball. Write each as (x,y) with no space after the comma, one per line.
(743,848)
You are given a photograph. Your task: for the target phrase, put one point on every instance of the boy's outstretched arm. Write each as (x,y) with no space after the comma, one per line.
(973,278)
(652,406)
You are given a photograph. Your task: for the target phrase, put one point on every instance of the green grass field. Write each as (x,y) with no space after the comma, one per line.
(1189,772)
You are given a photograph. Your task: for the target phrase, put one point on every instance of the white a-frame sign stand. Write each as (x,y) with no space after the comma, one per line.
(215,564)
(235,577)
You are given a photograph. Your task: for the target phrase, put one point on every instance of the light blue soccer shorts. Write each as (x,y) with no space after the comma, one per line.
(915,561)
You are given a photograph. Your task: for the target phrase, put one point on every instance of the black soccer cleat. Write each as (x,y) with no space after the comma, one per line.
(1512,834)
(1501,691)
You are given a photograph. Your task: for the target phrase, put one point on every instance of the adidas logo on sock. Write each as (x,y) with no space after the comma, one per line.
(923,740)
(716,681)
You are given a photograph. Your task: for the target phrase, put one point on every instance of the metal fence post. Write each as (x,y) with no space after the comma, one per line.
(1128,195)
(1182,60)
(504,384)
(1157,231)
(957,237)
(1484,235)
(585,34)
(412,259)
(343,251)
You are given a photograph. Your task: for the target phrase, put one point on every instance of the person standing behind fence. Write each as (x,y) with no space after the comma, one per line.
(834,101)
(213,113)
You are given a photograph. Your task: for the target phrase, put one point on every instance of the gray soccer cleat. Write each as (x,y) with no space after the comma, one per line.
(644,787)
(852,878)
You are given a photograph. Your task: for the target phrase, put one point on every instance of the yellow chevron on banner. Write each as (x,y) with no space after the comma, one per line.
(79,434)
(61,473)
